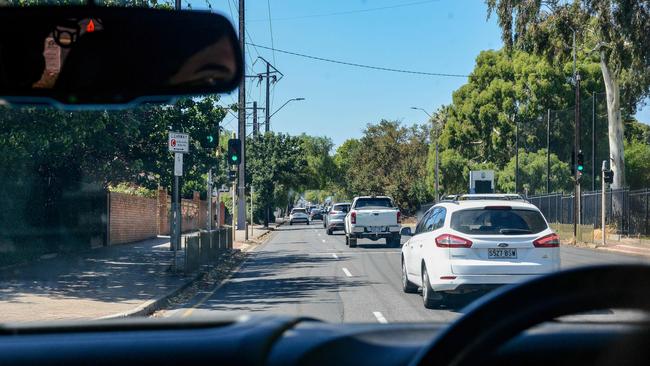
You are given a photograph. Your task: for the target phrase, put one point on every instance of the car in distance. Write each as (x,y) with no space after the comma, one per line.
(335,218)
(476,244)
(298,215)
(315,214)
(374,218)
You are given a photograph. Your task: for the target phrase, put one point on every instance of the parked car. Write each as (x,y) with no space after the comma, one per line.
(374,218)
(315,214)
(298,215)
(467,245)
(334,219)
(326,210)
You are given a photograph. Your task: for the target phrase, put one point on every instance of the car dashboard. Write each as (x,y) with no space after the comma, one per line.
(268,340)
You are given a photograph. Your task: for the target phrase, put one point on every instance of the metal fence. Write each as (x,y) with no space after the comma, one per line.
(626,211)
(206,247)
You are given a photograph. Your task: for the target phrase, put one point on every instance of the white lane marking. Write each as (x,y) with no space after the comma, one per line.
(318,234)
(323,240)
(380,318)
(335,256)
(347,273)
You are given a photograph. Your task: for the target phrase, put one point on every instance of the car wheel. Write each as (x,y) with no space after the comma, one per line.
(407,286)
(290,223)
(431,299)
(307,222)
(347,240)
(329,231)
(353,242)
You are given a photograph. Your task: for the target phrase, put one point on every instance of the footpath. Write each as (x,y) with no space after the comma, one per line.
(116,281)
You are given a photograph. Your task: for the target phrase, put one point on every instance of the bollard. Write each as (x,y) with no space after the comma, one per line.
(192,253)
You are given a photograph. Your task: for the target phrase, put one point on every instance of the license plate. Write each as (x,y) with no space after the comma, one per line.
(499,253)
(375,229)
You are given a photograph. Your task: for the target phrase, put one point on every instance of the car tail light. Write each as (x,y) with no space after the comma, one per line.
(447,277)
(548,241)
(353,217)
(452,241)
(502,208)
(399,217)
(332,212)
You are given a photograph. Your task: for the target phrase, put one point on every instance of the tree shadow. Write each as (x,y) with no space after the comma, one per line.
(139,271)
(267,280)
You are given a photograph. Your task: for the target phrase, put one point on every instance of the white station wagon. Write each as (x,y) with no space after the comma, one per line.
(468,245)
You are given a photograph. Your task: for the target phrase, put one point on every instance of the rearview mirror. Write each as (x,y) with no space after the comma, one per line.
(406,231)
(76,56)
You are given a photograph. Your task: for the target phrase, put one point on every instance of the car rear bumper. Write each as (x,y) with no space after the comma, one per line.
(467,283)
(299,219)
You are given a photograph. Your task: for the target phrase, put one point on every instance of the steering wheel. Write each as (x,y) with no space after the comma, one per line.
(502,315)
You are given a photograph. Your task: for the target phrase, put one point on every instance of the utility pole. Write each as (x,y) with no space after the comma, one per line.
(548,151)
(256,126)
(252,223)
(241,212)
(267,108)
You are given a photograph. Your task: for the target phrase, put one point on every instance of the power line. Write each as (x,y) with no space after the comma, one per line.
(268,4)
(380,68)
(347,12)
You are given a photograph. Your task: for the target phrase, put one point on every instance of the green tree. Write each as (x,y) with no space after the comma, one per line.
(532,174)
(275,166)
(616,33)
(454,172)
(637,157)
(320,164)
(388,160)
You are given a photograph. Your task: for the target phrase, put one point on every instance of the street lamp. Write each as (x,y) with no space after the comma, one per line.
(437,183)
(285,103)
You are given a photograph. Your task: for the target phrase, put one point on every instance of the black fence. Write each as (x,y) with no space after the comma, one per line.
(626,211)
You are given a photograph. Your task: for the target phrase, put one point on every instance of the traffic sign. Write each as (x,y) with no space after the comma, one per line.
(179,142)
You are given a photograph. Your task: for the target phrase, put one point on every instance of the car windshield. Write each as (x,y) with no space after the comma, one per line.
(341,208)
(490,221)
(210,204)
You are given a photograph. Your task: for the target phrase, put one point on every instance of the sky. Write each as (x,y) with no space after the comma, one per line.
(437,36)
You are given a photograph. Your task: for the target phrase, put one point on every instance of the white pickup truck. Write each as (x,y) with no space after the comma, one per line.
(373,218)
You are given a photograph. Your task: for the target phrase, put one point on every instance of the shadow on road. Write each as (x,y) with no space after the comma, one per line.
(111,274)
(271,279)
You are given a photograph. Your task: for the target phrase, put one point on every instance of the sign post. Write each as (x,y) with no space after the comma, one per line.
(179,144)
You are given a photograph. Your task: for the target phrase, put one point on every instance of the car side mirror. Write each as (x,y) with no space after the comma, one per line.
(406,231)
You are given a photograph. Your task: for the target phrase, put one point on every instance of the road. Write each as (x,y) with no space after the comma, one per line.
(302,271)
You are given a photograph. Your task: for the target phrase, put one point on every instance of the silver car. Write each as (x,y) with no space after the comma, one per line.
(336,217)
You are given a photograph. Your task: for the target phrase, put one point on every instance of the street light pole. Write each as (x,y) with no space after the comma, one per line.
(436,184)
(285,103)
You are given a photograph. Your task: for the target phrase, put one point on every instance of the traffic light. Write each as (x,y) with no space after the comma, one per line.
(211,141)
(234,152)
(581,162)
(609,176)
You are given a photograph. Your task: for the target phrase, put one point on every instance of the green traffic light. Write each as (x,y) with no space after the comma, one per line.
(234,158)
(210,139)
(581,168)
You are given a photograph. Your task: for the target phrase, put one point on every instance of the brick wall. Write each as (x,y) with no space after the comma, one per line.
(132,218)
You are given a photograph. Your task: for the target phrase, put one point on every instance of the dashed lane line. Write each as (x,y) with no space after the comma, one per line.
(380,317)
(347,273)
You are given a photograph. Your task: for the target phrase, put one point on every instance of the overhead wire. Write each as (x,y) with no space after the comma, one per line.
(378,68)
(268,4)
(347,12)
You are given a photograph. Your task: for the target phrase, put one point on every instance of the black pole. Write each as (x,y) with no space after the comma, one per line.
(267,111)
(256,126)
(516,156)
(593,142)
(548,151)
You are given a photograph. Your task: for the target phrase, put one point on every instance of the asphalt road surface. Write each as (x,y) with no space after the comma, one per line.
(303,271)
